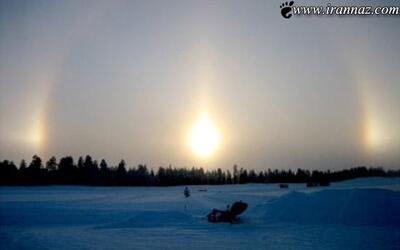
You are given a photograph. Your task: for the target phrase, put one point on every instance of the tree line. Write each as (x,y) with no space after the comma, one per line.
(87,171)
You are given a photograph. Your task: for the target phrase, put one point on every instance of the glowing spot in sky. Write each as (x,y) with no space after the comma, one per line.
(204,137)
(378,132)
(37,133)
(375,135)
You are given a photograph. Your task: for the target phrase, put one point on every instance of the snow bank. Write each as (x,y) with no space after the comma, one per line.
(350,207)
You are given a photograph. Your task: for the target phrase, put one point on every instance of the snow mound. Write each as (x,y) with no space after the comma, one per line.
(156,219)
(350,207)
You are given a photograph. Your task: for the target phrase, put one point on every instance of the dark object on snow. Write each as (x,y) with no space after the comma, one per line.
(186,192)
(284,185)
(324,183)
(229,215)
(312,184)
(316,184)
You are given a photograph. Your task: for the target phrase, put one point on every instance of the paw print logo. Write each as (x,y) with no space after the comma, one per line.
(286,9)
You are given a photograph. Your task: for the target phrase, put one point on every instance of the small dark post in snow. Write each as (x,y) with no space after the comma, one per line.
(186,192)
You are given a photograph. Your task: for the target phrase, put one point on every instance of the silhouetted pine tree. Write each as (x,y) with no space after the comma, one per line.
(68,172)
(35,171)
(121,177)
(105,173)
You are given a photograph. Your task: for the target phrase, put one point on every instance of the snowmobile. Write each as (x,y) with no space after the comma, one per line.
(228,215)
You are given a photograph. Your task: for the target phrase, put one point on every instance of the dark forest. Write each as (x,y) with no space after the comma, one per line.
(89,172)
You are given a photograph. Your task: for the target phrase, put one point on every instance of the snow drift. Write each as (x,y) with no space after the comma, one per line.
(350,207)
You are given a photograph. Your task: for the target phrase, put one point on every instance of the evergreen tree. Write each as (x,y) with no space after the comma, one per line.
(229,177)
(235,174)
(36,163)
(22,165)
(122,174)
(34,171)
(51,164)
(68,172)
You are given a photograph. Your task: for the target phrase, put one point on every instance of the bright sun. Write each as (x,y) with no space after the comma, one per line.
(204,137)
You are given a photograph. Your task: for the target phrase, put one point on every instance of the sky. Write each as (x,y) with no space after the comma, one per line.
(129,79)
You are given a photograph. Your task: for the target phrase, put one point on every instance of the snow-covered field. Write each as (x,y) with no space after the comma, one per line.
(357,214)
